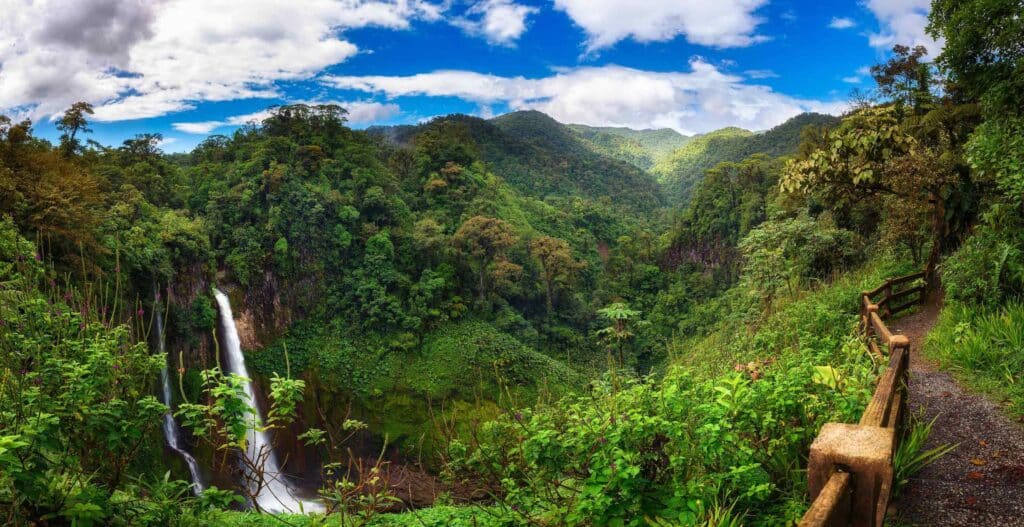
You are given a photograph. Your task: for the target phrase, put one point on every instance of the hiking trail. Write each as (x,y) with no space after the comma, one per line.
(981,482)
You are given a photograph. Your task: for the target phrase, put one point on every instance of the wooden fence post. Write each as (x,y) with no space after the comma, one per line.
(865,452)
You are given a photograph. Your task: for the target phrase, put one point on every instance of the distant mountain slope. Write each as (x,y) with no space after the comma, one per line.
(541,157)
(684,168)
(641,148)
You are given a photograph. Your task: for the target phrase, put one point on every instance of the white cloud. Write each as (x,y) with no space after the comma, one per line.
(499,21)
(718,23)
(201,128)
(864,71)
(359,112)
(841,23)
(853,79)
(138,58)
(697,101)
(164,141)
(369,112)
(761,74)
(902,22)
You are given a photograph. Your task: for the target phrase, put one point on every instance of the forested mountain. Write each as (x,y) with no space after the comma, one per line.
(542,158)
(491,323)
(642,148)
(680,170)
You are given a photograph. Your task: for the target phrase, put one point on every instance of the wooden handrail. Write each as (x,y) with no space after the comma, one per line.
(838,501)
(907,278)
(880,328)
(905,293)
(832,508)
(877,412)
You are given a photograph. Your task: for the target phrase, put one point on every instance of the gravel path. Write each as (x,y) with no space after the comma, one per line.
(981,483)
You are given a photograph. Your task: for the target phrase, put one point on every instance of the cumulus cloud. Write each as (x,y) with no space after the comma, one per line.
(136,58)
(852,79)
(499,21)
(761,74)
(902,22)
(719,23)
(359,112)
(697,101)
(841,23)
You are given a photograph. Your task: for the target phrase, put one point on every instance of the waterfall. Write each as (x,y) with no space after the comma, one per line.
(276,495)
(171,430)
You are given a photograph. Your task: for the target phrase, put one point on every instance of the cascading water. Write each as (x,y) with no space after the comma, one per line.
(275,495)
(171,430)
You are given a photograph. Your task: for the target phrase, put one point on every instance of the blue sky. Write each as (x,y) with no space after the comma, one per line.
(190,68)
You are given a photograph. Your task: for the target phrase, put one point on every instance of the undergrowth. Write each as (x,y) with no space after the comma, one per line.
(984,346)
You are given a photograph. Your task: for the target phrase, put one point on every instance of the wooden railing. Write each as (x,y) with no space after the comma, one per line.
(850,471)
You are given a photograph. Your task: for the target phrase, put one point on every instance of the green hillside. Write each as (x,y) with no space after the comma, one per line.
(642,148)
(682,169)
(542,158)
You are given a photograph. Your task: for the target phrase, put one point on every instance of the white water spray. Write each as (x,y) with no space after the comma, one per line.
(275,495)
(171,430)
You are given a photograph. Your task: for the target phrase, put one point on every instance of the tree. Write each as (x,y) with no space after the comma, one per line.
(984,51)
(906,78)
(142,146)
(878,152)
(558,267)
(51,196)
(984,56)
(621,328)
(71,123)
(484,239)
(849,165)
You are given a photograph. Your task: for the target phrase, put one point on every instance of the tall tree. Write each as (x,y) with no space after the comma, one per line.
(558,267)
(72,122)
(483,240)
(620,330)
(906,78)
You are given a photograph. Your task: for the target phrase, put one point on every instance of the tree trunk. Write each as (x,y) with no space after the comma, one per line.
(483,273)
(548,293)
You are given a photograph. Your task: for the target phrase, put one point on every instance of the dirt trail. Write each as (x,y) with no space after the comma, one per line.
(981,483)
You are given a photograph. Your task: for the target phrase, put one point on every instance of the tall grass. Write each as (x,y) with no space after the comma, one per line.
(985,348)
(910,457)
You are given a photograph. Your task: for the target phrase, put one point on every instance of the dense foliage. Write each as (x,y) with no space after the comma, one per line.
(508,313)
(642,148)
(682,170)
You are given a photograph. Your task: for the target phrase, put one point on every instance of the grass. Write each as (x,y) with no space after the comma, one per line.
(984,347)
(910,457)
(821,317)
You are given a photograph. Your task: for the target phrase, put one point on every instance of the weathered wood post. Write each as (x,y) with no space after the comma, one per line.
(866,453)
(869,307)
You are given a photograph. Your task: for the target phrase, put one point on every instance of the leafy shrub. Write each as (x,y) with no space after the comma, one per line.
(684,449)
(984,269)
(986,346)
(996,152)
(76,412)
(789,252)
